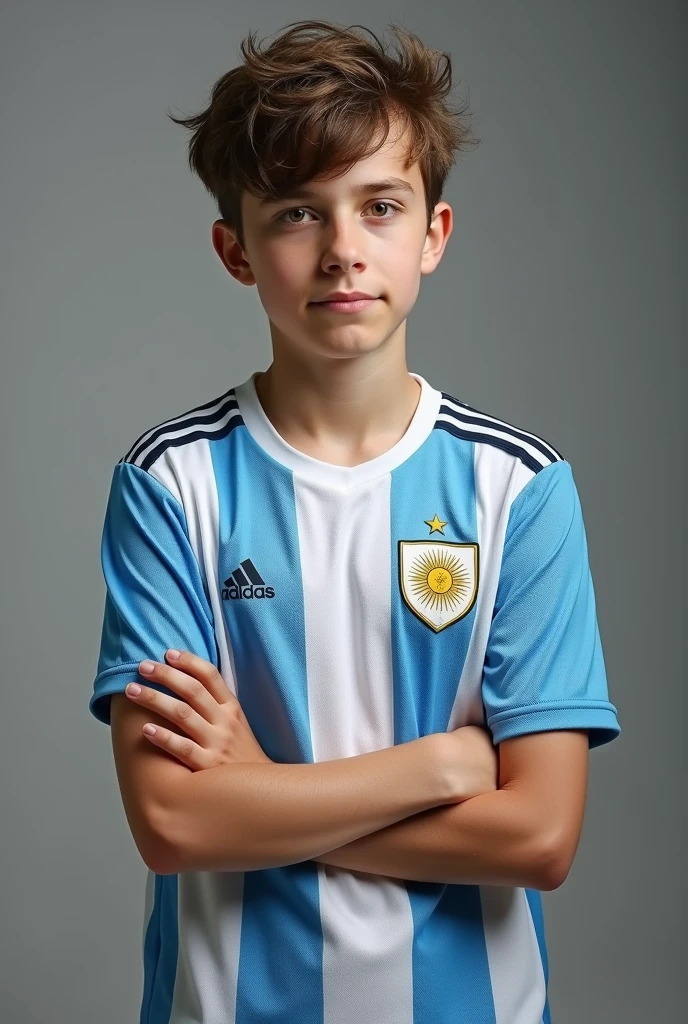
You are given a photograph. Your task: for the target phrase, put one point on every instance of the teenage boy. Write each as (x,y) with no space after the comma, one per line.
(370,756)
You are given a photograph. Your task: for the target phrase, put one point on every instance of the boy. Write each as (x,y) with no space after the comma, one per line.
(371,757)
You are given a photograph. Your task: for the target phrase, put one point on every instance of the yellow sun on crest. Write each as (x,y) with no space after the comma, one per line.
(439,579)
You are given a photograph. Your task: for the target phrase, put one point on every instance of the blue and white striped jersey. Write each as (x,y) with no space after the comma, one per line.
(443,583)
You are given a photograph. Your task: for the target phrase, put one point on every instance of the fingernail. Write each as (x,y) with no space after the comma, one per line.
(146,667)
(134,689)
(173,654)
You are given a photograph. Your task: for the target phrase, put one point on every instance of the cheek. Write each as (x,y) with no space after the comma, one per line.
(284,273)
(275,287)
(402,271)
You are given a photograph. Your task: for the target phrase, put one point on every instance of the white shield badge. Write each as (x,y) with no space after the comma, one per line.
(438,579)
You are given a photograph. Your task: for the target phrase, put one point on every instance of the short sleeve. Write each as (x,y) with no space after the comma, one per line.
(155,597)
(544,667)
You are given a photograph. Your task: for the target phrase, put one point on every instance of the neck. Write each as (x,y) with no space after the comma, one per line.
(344,411)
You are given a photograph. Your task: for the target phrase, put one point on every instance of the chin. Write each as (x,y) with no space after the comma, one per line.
(341,351)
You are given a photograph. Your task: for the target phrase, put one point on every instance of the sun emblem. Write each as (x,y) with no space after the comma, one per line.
(439,580)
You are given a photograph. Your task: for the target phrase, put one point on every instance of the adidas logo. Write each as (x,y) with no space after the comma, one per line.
(245,582)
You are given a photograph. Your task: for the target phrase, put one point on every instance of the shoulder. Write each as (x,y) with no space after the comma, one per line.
(497,438)
(212,420)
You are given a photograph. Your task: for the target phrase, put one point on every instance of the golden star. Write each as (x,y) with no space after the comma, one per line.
(435,524)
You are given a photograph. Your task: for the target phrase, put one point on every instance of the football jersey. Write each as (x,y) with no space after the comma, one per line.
(443,583)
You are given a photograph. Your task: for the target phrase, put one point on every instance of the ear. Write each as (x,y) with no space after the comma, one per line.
(226,245)
(437,237)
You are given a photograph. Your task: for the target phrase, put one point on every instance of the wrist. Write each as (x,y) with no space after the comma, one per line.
(461,763)
(442,757)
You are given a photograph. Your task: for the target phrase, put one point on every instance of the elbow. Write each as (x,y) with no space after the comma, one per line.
(161,858)
(160,853)
(553,862)
(152,842)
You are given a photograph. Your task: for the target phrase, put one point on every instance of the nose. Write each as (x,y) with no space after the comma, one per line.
(343,247)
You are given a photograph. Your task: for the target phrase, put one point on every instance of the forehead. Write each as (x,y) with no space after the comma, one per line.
(315,190)
(386,170)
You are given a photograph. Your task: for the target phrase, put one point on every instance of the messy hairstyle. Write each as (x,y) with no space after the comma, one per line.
(312,104)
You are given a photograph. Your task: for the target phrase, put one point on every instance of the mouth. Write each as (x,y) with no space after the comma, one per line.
(342,306)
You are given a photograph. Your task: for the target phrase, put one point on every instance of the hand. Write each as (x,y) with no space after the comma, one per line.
(473,762)
(216,728)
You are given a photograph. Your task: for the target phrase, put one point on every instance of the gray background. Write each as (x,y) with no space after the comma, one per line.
(557,306)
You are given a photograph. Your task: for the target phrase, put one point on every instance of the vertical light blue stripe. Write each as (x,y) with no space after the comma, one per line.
(534,897)
(451,978)
(280,960)
(160,953)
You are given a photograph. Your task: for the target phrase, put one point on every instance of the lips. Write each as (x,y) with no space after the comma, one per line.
(344,297)
(336,306)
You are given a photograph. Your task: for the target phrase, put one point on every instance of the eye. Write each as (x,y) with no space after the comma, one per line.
(295,209)
(383,202)
(300,209)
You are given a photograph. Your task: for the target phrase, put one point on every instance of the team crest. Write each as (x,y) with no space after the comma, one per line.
(438,579)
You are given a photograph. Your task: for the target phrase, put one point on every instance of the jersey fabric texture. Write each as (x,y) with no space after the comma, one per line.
(443,583)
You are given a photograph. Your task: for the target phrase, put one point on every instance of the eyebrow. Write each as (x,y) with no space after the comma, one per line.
(392,184)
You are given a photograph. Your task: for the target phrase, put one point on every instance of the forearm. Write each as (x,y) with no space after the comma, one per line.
(490,839)
(246,816)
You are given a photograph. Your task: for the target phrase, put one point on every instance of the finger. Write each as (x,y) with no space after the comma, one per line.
(175,711)
(206,672)
(181,747)
(192,690)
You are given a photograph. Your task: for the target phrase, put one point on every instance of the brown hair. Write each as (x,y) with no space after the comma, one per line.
(328,86)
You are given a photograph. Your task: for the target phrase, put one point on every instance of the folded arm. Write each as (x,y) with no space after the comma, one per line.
(244,816)
(386,812)
(524,833)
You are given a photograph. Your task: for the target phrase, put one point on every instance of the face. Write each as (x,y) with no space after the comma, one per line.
(345,238)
